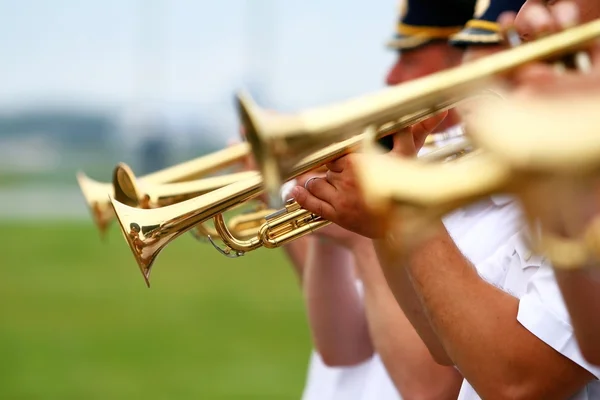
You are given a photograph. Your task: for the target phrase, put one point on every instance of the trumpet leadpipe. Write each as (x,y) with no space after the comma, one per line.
(200,166)
(136,193)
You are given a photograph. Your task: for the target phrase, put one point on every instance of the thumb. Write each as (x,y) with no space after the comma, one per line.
(428,125)
(421,130)
(404,144)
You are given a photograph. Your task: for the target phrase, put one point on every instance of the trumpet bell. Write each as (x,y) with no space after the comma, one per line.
(141,237)
(147,232)
(96,196)
(125,186)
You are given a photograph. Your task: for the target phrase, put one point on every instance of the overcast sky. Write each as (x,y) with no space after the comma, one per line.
(192,53)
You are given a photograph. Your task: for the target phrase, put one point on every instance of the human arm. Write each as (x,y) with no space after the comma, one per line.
(407,360)
(341,332)
(324,197)
(496,354)
(334,305)
(581,292)
(296,252)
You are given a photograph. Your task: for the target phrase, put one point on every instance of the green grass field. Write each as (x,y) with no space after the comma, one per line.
(77,321)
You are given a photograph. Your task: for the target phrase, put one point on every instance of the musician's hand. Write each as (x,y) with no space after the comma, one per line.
(333,232)
(337,197)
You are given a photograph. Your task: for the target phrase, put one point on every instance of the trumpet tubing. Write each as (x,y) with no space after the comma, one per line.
(242,226)
(136,193)
(283,228)
(279,228)
(278,141)
(246,225)
(97,194)
(200,166)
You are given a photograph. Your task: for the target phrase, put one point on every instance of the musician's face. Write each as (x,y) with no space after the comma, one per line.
(423,61)
(588,11)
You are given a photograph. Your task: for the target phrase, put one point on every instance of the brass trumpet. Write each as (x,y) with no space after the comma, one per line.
(149,231)
(141,194)
(523,147)
(280,141)
(291,222)
(96,193)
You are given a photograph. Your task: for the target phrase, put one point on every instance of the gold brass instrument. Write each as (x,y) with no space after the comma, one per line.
(280,141)
(141,194)
(292,222)
(280,228)
(96,193)
(149,231)
(247,224)
(531,150)
(241,227)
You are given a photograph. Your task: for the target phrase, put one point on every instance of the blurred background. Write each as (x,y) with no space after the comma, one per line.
(85,84)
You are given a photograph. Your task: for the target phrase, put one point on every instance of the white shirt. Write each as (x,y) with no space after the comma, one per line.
(530,278)
(496,219)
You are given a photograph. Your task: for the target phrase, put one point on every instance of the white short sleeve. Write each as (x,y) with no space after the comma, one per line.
(543,312)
